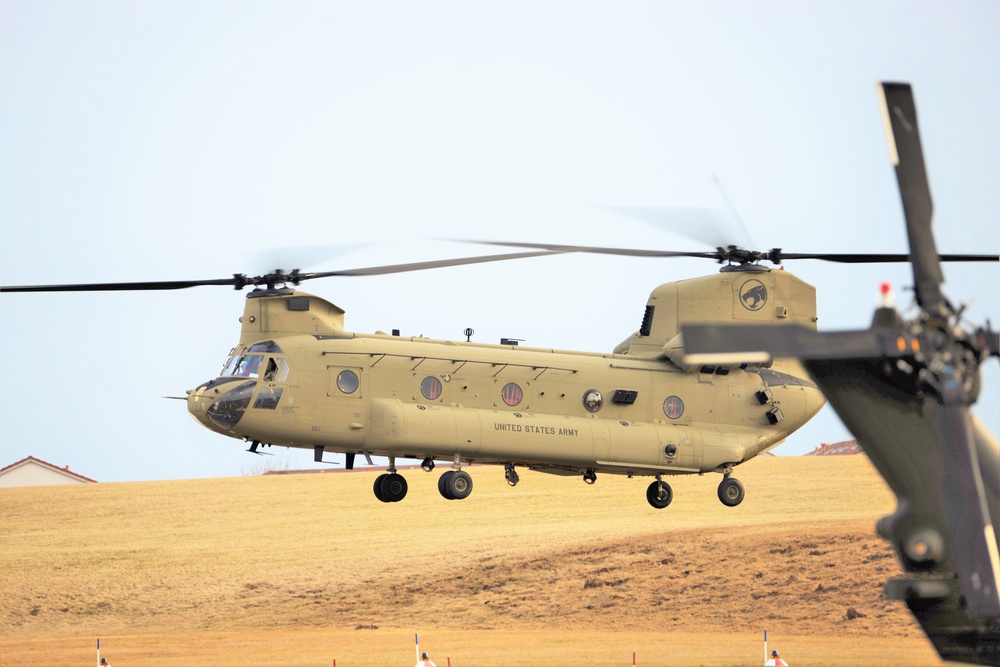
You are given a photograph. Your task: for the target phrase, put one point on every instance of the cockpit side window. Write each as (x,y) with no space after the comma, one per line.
(283,370)
(277,370)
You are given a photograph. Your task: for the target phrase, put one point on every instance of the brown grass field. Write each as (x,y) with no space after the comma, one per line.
(304,569)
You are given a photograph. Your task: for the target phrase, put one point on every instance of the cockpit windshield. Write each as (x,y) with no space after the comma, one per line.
(230,365)
(248,366)
(251,364)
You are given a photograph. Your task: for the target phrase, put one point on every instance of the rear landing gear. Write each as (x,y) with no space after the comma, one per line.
(590,476)
(731,492)
(455,485)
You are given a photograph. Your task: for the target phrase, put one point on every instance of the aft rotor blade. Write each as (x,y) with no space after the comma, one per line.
(899,113)
(704,225)
(883,258)
(722,254)
(630,252)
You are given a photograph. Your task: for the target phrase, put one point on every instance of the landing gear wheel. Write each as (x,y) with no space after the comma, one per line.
(393,488)
(659,494)
(443,485)
(378,487)
(731,492)
(455,485)
(590,477)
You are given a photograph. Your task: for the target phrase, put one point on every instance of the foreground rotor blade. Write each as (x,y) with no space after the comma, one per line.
(729,344)
(899,113)
(967,514)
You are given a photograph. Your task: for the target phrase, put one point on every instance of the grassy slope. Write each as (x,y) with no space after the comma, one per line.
(301,563)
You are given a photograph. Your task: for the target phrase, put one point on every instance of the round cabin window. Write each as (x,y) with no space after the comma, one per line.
(430,388)
(592,400)
(511,394)
(347,382)
(673,407)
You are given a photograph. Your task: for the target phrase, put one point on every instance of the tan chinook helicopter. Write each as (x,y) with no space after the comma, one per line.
(299,378)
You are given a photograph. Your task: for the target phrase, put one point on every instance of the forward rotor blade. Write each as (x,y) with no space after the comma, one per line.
(900,116)
(420,266)
(239,281)
(124,287)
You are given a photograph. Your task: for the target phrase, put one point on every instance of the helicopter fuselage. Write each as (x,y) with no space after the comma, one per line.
(420,398)
(463,402)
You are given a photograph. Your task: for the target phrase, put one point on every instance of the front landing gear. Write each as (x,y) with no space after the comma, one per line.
(390,487)
(659,494)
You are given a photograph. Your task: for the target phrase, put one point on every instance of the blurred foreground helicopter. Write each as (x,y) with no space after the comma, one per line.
(904,388)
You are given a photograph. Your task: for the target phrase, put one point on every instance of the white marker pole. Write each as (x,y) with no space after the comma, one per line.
(98,652)
(416,642)
(765,646)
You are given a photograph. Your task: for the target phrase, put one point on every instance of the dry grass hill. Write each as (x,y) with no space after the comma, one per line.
(305,569)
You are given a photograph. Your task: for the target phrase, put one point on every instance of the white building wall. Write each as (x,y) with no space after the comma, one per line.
(34,474)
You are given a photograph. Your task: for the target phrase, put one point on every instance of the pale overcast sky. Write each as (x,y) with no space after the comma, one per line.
(191,140)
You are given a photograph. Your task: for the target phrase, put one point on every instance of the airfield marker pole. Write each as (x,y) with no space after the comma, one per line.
(765,645)
(416,642)
(98,652)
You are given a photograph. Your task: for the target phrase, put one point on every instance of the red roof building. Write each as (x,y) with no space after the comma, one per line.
(36,472)
(838,449)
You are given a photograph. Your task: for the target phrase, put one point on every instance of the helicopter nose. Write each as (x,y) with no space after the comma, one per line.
(814,401)
(221,403)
